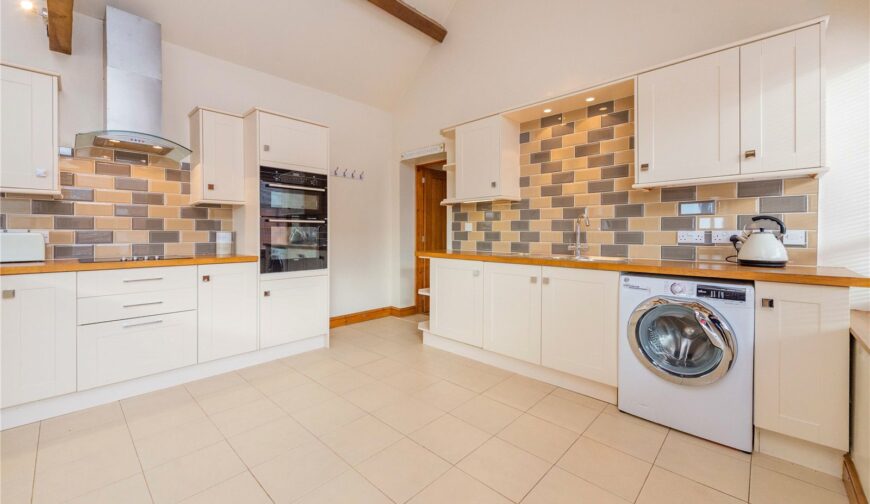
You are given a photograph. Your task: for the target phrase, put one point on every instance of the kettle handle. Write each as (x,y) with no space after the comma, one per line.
(771,218)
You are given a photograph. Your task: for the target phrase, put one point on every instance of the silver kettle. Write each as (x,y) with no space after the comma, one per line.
(757,246)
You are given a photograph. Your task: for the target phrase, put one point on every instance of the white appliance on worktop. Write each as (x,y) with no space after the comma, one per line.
(21,246)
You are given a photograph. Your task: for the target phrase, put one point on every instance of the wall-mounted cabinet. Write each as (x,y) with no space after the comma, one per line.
(487,161)
(292,144)
(217,163)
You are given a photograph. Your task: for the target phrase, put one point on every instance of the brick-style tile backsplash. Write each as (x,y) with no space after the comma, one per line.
(585,159)
(114,209)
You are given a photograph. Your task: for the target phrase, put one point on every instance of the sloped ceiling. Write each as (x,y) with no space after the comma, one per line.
(347,47)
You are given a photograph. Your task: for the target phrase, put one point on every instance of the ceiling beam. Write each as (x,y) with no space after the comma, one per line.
(413,17)
(60,20)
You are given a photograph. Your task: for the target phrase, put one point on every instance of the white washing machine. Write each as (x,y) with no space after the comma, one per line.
(686,355)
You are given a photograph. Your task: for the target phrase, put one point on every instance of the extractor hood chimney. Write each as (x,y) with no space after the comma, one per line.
(134,89)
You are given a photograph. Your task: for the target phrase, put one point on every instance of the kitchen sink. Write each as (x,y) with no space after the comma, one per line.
(587,258)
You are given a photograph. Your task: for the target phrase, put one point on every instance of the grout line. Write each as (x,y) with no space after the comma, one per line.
(35,461)
(135,450)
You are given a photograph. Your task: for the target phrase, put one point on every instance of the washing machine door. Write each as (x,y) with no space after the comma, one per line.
(682,341)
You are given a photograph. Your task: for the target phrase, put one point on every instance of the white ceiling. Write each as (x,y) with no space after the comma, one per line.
(347,47)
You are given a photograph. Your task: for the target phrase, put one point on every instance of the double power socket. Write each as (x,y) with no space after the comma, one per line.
(719,237)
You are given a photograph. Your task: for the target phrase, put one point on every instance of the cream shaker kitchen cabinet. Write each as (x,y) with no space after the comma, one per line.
(293,309)
(512,310)
(292,144)
(802,362)
(227,310)
(38,336)
(688,119)
(487,160)
(456,300)
(217,164)
(781,102)
(579,322)
(29,133)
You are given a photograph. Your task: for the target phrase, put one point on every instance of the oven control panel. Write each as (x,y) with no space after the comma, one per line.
(727,294)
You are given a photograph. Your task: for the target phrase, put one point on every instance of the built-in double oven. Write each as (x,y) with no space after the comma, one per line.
(293,221)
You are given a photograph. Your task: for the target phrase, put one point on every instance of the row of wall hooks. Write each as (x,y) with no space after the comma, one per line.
(353,174)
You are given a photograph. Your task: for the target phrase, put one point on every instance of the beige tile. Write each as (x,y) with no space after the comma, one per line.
(132,490)
(771,487)
(321,368)
(505,468)
(163,212)
(283,380)
(349,487)
(303,397)
(381,368)
(665,487)
(736,206)
(633,436)
(178,224)
(539,437)
(717,191)
(113,250)
(583,400)
(610,469)
(299,471)
(269,440)
(147,172)
(806,474)
(95,181)
(457,487)
(410,380)
(94,209)
(59,237)
(228,398)
(403,469)
(17,462)
(562,487)
(444,395)
(361,439)
(163,417)
(72,423)
(450,438)
(354,356)
(328,416)
(486,414)
(240,419)
(28,222)
(709,467)
(164,186)
(519,392)
(344,381)
(169,444)
(177,199)
(188,475)
(374,396)
(803,185)
(75,165)
(213,384)
(565,413)
(407,414)
(113,223)
(238,489)
(113,196)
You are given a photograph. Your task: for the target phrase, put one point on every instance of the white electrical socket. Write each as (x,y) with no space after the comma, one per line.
(795,238)
(723,236)
(469,226)
(686,237)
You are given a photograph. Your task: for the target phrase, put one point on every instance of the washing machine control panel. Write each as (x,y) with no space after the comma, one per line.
(677,288)
(706,291)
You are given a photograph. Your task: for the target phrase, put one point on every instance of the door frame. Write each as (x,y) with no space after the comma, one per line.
(420,265)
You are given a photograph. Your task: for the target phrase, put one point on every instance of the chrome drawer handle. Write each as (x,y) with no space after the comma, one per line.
(301,188)
(143,304)
(766,303)
(749,154)
(296,221)
(130,280)
(139,324)
(266,147)
(644,166)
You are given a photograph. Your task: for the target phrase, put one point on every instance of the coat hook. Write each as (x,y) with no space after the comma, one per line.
(353,174)
(344,174)
(362,174)
(335,172)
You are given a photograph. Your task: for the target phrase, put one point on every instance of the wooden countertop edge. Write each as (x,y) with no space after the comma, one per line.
(675,268)
(64,266)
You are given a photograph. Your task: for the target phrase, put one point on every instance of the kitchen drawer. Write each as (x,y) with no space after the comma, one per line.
(137,304)
(129,281)
(112,352)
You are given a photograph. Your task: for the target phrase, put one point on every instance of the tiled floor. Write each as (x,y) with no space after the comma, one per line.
(379,418)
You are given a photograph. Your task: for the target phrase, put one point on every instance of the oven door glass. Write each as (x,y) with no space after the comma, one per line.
(282,200)
(292,245)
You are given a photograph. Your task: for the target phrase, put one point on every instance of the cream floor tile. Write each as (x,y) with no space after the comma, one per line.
(519,392)
(17,463)
(808,475)
(214,384)
(228,398)
(450,438)
(347,488)
(709,445)
(382,367)
(328,416)
(279,382)
(665,487)
(321,368)
(132,490)
(444,395)
(472,379)
(236,490)
(345,381)
(708,467)
(564,413)
(505,468)
(403,469)
(303,397)
(407,415)
(288,477)
(90,418)
(361,439)
(189,475)
(269,440)
(457,487)
(633,436)
(374,396)
(240,419)
(306,357)
(608,468)
(170,444)
(561,487)
(487,414)
(165,418)
(771,487)
(57,453)
(410,380)
(264,370)
(354,356)
(539,437)
(583,400)
(147,404)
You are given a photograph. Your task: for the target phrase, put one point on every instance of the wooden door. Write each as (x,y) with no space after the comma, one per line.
(431,222)
(512,310)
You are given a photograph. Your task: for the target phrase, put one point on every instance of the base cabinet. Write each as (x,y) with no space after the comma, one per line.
(227,310)
(512,311)
(38,338)
(293,309)
(456,309)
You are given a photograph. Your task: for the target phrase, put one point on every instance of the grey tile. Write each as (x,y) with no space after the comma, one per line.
(492,236)
(456,244)
(758,188)
(131,210)
(551,120)
(563,201)
(67,179)
(52,207)
(551,167)
(113,169)
(628,237)
(2,221)
(614,250)
(458,216)
(147,249)
(524,137)
(696,208)
(783,204)
(677,223)
(563,177)
(540,157)
(602,160)
(163,237)
(563,129)
(456,226)
(185,176)
(678,253)
(77,194)
(460,235)
(483,206)
(524,181)
(561,249)
(614,224)
(551,190)
(208,225)
(173,175)
(551,143)
(148,198)
(520,205)
(73,223)
(571,237)
(597,186)
(208,249)
(587,149)
(614,198)
(483,246)
(744,220)
(483,226)
(149,224)
(519,248)
(633,210)
(611,172)
(678,193)
(185,188)
(131,184)
(73,251)
(491,216)
(532,214)
(530,236)
(563,225)
(185,166)
(615,118)
(599,109)
(520,225)
(93,237)
(599,135)
(572,213)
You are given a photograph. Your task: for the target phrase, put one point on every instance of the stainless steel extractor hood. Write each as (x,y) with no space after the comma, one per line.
(134,82)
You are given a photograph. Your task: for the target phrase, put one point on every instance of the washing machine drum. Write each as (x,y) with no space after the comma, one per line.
(681,341)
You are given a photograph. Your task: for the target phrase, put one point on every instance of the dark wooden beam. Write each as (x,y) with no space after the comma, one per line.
(60,20)
(413,17)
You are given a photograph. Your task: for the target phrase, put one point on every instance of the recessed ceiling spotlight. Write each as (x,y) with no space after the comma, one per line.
(590,99)
(602,108)
(547,110)
(156,147)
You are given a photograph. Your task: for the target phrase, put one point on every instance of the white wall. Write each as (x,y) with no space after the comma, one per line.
(501,54)
(361,136)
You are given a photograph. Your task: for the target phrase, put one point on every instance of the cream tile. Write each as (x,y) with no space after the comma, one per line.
(444,395)
(665,487)
(18,462)
(242,488)
(269,440)
(450,438)
(161,447)
(519,392)
(610,469)
(349,487)
(56,454)
(374,396)
(240,419)
(345,381)
(54,428)
(191,474)
(564,413)
(306,357)
(321,368)
(708,467)
(132,490)
(539,437)
(279,382)
(403,469)
(473,379)
(457,487)
(631,435)
(328,416)
(382,368)
(410,380)
(361,439)
(155,417)
(264,370)
(228,398)
(806,474)
(303,397)
(299,471)
(505,468)
(486,414)
(407,415)
(771,487)
(562,487)
(354,356)
(708,445)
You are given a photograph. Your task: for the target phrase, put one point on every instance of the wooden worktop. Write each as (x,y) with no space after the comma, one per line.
(811,275)
(64,265)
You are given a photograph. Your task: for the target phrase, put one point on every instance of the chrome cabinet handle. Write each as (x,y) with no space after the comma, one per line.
(749,154)
(143,304)
(139,324)
(298,187)
(492,184)
(265,147)
(545,281)
(644,166)
(533,279)
(267,293)
(766,303)
(131,280)
(297,221)
(206,278)
(8,293)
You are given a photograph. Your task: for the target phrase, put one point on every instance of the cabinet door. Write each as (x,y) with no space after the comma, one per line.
(780,93)
(286,143)
(227,310)
(688,119)
(802,362)
(222,159)
(512,310)
(29,133)
(477,158)
(38,337)
(578,322)
(293,309)
(456,295)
